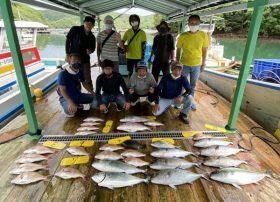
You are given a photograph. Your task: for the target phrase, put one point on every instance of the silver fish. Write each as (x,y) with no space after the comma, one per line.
(115,180)
(30,158)
(85,124)
(153,123)
(175,177)
(110,147)
(219,151)
(170,153)
(108,155)
(133,127)
(200,136)
(237,176)
(161,144)
(174,163)
(85,133)
(77,151)
(208,142)
(132,153)
(89,128)
(223,162)
(116,167)
(135,162)
(39,149)
(27,178)
(27,167)
(69,173)
(93,119)
(134,119)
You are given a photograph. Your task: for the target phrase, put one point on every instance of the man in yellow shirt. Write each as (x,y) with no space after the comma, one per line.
(136,43)
(193,44)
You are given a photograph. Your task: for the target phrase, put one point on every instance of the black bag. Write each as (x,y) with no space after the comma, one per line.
(106,39)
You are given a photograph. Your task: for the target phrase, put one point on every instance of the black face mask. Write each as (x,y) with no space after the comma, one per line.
(76,66)
(162,30)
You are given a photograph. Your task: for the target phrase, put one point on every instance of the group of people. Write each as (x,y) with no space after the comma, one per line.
(175,88)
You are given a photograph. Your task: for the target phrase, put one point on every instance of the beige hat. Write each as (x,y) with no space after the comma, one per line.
(176,64)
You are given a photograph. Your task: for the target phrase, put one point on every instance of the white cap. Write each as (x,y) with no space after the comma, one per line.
(108,17)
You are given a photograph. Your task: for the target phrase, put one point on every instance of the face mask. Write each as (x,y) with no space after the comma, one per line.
(134,23)
(108,26)
(76,66)
(194,28)
(174,77)
(71,71)
(141,77)
(162,30)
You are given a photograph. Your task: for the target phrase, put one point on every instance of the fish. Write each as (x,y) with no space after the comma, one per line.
(27,167)
(132,153)
(116,166)
(170,153)
(133,127)
(237,176)
(161,144)
(69,173)
(77,151)
(93,119)
(89,128)
(172,163)
(30,158)
(153,123)
(173,177)
(223,162)
(39,149)
(219,151)
(108,155)
(110,147)
(135,119)
(115,180)
(85,133)
(28,178)
(135,162)
(132,144)
(85,124)
(208,142)
(200,136)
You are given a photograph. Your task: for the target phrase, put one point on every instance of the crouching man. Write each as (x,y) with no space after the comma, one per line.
(110,82)
(170,90)
(69,87)
(142,84)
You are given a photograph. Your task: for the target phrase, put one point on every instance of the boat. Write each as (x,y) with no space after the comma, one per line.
(41,74)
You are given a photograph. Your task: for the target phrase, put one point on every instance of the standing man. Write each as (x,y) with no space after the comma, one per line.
(194,44)
(170,90)
(81,40)
(108,42)
(136,44)
(163,49)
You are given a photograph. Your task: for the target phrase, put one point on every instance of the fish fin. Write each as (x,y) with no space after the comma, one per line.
(172,186)
(237,186)
(195,154)
(206,177)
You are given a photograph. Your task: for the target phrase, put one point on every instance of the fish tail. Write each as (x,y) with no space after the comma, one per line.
(147,180)
(269,173)
(206,177)
(195,154)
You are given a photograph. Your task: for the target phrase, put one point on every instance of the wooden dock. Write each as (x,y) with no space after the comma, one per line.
(53,122)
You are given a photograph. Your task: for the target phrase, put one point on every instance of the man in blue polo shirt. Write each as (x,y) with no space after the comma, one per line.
(170,91)
(69,87)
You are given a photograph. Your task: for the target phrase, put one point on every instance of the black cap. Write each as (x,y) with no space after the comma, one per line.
(89,19)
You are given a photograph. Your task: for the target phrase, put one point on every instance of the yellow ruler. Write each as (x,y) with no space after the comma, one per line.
(81,143)
(74,160)
(151,117)
(107,127)
(216,128)
(169,140)
(119,140)
(54,145)
(188,134)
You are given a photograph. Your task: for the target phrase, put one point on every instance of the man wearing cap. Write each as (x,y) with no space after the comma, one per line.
(110,82)
(163,49)
(108,42)
(69,87)
(135,40)
(81,40)
(170,91)
(193,44)
(142,84)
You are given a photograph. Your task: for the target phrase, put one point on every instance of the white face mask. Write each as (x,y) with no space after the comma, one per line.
(134,23)
(174,77)
(108,26)
(141,77)
(71,71)
(194,28)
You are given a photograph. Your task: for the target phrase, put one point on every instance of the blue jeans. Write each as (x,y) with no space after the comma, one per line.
(194,76)
(164,104)
(119,99)
(84,98)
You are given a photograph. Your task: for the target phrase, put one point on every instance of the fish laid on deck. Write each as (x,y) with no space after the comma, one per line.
(27,167)
(133,144)
(208,142)
(200,136)
(116,166)
(135,119)
(28,178)
(39,149)
(135,162)
(77,151)
(170,153)
(89,128)
(237,176)
(172,163)
(132,153)
(108,155)
(153,123)
(85,124)
(110,147)
(85,133)
(69,173)
(219,151)
(223,162)
(161,144)
(133,127)
(115,180)
(30,158)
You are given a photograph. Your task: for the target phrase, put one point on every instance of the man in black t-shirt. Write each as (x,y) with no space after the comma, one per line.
(163,49)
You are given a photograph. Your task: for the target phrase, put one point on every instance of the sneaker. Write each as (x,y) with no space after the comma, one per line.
(119,108)
(193,107)
(184,118)
(69,115)
(134,103)
(108,105)
(178,106)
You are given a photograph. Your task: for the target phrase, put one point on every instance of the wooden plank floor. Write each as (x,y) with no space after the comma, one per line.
(52,120)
